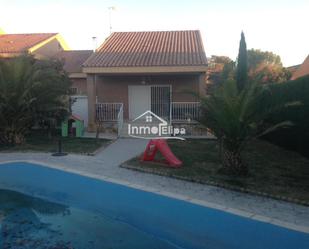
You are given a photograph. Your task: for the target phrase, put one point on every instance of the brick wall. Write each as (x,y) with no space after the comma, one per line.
(115,88)
(80,84)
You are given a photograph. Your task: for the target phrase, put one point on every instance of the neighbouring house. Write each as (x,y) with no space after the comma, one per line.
(133,72)
(52,45)
(302,70)
(293,69)
(41,45)
(72,64)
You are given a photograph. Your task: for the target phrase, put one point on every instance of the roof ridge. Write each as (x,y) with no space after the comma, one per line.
(30,33)
(157,31)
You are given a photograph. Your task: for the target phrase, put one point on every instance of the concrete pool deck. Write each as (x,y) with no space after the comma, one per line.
(105,166)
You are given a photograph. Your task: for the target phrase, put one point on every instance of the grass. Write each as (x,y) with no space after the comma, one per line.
(38,142)
(273,170)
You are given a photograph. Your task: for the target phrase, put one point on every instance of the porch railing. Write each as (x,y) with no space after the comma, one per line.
(108,111)
(120,121)
(185,111)
(180,111)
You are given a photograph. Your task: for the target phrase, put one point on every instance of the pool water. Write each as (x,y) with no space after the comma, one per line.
(28,222)
(45,208)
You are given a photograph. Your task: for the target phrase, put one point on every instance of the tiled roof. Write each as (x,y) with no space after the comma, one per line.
(144,49)
(293,68)
(73,59)
(17,43)
(302,70)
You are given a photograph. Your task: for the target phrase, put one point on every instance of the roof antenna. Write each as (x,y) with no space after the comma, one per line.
(110,9)
(94,40)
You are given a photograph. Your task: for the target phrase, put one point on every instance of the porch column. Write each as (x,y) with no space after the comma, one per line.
(202,84)
(91,91)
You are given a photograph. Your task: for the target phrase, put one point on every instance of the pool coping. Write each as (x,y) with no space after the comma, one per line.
(181,197)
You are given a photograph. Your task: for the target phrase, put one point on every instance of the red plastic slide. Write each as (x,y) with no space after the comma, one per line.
(160,144)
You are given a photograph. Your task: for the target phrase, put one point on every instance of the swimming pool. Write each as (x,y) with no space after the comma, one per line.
(42,207)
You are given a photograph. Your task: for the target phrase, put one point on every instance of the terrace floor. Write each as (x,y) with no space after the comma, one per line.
(104,165)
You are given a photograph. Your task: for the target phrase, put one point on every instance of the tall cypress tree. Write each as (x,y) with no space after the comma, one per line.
(242,64)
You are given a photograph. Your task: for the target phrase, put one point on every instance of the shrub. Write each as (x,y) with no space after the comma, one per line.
(31,91)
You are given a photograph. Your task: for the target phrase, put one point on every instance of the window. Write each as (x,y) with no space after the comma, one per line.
(73,90)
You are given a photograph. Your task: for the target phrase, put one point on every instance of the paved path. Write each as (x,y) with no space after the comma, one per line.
(120,151)
(105,166)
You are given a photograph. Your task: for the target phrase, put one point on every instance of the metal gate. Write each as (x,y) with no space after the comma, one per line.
(161,101)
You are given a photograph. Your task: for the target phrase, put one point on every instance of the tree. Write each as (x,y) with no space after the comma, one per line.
(220,69)
(266,67)
(242,64)
(224,66)
(256,57)
(228,72)
(31,91)
(235,117)
(220,59)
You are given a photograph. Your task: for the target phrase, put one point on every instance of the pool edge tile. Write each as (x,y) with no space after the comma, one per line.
(239,212)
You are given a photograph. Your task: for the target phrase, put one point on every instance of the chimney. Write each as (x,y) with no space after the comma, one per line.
(94,40)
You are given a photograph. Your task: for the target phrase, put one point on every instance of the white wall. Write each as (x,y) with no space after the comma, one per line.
(80,107)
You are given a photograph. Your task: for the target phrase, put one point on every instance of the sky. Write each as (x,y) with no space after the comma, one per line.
(280,26)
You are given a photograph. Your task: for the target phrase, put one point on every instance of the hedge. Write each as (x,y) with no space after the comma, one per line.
(296,93)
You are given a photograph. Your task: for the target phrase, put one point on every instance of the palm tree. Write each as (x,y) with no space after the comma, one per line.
(30,91)
(237,117)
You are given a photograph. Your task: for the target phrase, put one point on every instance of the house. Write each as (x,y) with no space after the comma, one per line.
(72,64)
(302,70)
(52,45)
(133,72)
(41,45)
(48,45)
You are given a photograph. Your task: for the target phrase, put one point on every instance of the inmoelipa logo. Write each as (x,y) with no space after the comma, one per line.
(151,126)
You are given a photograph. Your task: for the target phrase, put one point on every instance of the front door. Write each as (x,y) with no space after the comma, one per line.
(139,100)
(156,98)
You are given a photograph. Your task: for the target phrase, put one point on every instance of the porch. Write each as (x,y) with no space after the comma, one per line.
(180,113)
(116,99)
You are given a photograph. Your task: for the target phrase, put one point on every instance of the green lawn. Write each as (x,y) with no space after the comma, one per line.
(42,143)
(272,170)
